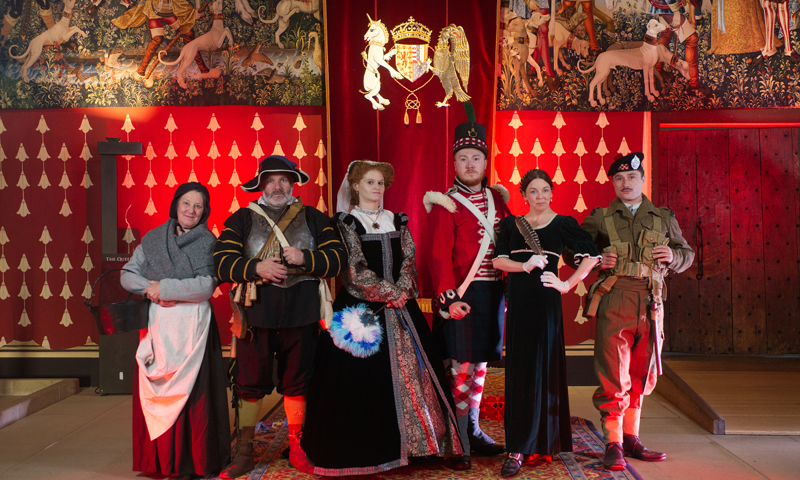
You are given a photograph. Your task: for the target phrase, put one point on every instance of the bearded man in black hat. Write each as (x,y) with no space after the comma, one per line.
(276,250)
(640,243)
(465,222)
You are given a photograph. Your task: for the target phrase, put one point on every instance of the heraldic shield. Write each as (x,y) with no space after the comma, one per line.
(412,60)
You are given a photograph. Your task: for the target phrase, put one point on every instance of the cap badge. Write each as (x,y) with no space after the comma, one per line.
(635,163)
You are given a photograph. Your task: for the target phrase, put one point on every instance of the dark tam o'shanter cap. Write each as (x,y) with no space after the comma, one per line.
(470,134)
(628,163)
(276,164)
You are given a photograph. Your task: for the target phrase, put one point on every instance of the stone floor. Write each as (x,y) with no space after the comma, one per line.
(88,436)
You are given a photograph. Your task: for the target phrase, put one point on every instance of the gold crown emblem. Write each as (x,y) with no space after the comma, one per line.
(411,29)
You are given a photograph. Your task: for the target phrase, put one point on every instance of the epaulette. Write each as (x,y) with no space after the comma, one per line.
(671,213)
(503,191)
(436,198)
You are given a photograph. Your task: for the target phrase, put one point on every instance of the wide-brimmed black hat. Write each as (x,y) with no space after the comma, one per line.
(470,134)
(629,163)
(276,164)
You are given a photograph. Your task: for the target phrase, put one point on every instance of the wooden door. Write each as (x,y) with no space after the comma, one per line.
(735,195)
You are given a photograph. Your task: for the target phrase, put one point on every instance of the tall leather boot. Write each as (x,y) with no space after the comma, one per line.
(243,460)
(247,417)
(47,17)
(544,48)
(481,443)
(151,50)
(8,24)
(198,58)
(694,72)
(588,22)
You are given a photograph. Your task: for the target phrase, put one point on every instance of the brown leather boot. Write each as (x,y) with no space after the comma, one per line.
(198,58)
(47,17)
(151,50)
(8,24)
(694,72)
(297,457)
(243,460)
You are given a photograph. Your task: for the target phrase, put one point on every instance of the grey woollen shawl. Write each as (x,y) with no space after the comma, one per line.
(168,255)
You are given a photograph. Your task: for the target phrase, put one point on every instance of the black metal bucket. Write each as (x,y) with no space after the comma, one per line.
(119,317)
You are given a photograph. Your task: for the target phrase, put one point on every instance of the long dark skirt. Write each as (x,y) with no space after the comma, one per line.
(199,441)
(352,419)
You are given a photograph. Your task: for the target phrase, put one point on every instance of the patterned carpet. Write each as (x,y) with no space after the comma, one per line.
(582,464)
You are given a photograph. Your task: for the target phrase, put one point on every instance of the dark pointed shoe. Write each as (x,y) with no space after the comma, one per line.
(512,465)
(632,447)
(613,459)
(488,450)
(460,462)
(793,58)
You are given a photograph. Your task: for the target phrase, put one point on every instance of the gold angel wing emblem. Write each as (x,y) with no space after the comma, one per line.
(451,61)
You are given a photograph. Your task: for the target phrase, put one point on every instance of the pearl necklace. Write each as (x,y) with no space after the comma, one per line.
(369,214)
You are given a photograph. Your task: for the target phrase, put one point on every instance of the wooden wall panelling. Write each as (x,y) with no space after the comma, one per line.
(713,212)
(686,332)
(747,267)
(660,178)
(780,242)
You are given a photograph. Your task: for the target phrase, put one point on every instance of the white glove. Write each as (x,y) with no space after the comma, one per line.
(549,279)
(533,262)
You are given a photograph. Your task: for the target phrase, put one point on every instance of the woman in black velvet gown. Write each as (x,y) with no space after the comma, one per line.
(537,420)
(374,404)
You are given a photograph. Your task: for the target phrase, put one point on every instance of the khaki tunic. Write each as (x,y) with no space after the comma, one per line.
(629,330)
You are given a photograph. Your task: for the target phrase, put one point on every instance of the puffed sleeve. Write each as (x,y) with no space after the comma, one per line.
(360,281)
(502,247)
(578,240)
(408,270)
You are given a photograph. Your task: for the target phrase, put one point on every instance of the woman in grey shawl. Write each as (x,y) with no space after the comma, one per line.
(180,416)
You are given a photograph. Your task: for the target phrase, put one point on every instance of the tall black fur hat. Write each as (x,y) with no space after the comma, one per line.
(470,134)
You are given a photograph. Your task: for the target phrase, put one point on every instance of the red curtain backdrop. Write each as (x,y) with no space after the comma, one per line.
(578,188)
(299,132)
(420,153)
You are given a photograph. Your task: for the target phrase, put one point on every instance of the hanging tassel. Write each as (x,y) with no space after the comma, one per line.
(580,177)
(558,179)
(419,117)
(579,318)
(515,178)
(601,176)
(580,205)
(405,117)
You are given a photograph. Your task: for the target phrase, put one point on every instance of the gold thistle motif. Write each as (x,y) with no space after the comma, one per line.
(450,62)
(411,29)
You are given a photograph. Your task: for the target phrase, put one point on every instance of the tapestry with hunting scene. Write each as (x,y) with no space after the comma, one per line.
(143,53)
(658,55)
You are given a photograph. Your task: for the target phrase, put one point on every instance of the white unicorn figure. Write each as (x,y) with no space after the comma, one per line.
(377,35)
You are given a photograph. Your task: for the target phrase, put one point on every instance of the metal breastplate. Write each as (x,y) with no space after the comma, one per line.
(296,233)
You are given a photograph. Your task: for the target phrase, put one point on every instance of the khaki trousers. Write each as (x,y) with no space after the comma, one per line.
(625,356)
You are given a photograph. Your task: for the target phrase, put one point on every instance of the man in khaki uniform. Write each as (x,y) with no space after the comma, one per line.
(640,244)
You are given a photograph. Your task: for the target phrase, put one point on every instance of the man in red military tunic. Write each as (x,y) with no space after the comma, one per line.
(465,220)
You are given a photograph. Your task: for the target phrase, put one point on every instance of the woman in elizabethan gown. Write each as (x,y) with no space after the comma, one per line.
(378,395)
(180,409)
